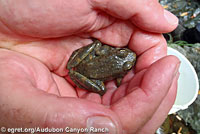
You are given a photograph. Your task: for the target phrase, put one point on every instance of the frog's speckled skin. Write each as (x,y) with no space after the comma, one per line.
(91,65)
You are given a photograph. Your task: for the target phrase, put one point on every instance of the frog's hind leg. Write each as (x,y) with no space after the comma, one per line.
(73,78)
(80,54)
(83,82)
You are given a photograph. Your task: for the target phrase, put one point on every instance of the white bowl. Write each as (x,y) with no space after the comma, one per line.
(188,84)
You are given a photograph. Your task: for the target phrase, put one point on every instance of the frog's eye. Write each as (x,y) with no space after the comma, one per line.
(122,53)
(127,65)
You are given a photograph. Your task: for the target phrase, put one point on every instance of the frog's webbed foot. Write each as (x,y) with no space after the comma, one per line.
(80,54)
(83,82)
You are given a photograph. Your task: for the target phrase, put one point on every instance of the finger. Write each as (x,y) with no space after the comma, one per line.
(145,100)
(63,85)
(24,100)
(119,93)
(61,18)
(149,48)
(123,90)
(135,82)
(148,15)
(161,113)
(92,97)
(118,34)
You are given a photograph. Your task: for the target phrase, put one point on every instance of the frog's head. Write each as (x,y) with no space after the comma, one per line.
(128,57)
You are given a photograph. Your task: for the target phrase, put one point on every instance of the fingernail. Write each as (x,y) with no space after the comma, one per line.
(177,69)
(99,122)
(172,19)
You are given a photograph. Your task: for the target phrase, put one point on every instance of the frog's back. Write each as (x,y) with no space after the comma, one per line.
(105,67)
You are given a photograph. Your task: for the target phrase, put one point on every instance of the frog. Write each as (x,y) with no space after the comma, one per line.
(96,63)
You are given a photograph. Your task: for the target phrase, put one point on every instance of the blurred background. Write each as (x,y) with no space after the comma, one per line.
(186,39)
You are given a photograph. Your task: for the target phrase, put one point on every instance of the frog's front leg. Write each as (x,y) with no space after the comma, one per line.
(80,54)
(81,81)
(118,81)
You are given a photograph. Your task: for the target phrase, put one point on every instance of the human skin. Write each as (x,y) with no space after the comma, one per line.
(37,39)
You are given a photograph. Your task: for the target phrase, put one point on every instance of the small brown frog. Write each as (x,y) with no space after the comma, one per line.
(92,65)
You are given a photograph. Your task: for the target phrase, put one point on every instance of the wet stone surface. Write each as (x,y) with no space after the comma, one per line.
(188,11)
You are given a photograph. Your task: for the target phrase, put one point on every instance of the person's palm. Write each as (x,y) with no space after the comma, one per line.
(37,90)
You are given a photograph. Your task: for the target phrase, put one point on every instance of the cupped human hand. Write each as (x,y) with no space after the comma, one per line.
(37,39)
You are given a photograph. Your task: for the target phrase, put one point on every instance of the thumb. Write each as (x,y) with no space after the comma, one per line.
(145,14)
(146,91)
(35,108)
